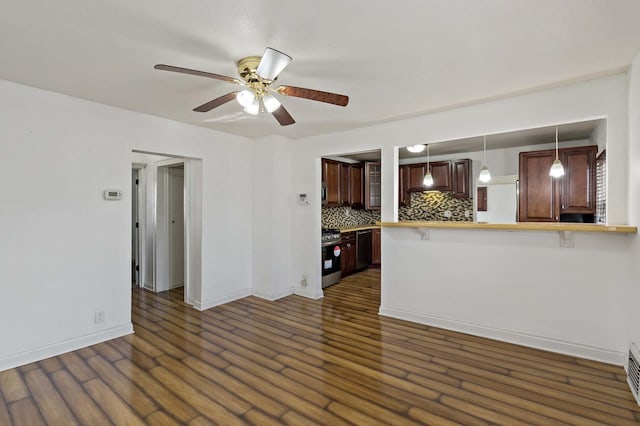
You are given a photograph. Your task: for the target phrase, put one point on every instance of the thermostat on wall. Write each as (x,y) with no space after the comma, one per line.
(112,194)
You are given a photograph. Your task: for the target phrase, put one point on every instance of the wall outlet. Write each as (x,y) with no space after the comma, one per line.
(467,213)
(98,317)
(303,281)
(447,214)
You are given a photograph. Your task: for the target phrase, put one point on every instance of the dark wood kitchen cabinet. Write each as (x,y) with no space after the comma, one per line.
(349,253)
(578,194)
(356,186)
(345,181)
(441,172)
(376,254)
(404,196)
(331,179)
(372,186)
(543,198)
(416,177)
(461,178)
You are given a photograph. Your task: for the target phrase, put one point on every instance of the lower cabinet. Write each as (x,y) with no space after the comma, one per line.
(349,253)
(376,256)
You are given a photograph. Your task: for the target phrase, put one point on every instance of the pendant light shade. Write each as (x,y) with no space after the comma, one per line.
(484,176)
(416,148)
(428,179)
(556,170)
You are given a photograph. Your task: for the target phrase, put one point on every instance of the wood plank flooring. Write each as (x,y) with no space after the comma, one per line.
(297,362)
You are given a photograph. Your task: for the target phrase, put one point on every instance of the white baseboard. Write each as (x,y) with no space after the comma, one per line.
(26,357)
(222,300)
(274,296)
(538,342)
(309,293)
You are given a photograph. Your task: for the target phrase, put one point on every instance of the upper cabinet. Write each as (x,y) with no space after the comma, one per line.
(579,180)
(441,172)
(343,183)
(404,196)
(416,176)
(448,176)
(356,185)
(331,174)
(372,186)
(461,178)
(543,198)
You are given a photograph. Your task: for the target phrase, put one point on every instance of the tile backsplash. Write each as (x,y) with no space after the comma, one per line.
(346,217)
(432,205)
(429,206)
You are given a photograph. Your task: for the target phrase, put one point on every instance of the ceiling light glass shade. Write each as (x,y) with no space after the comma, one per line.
(485,176)
(253,108)
(246,97)
(428,180)
(556,170)
(416,148)
(272,64)
(270,102)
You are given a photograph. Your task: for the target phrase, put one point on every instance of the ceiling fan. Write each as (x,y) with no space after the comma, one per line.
(258,73)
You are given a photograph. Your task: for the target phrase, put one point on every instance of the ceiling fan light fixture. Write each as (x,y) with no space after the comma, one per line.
(246,97)
(272,64)
(253,108)
(416,148)
(270,102)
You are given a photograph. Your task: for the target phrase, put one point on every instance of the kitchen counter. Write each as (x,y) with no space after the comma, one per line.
(359,228)
(520,226)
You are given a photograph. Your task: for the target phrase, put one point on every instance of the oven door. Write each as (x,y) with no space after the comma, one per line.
(331,256)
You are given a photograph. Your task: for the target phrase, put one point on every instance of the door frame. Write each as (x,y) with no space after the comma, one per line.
(141,198)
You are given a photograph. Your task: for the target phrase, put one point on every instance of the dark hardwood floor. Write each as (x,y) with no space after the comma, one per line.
(297,361)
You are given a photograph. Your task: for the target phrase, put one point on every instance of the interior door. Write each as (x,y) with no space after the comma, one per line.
(176,227)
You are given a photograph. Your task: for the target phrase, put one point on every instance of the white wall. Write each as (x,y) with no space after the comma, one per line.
(273,200)
(558,314)
(633,291)
(64,251)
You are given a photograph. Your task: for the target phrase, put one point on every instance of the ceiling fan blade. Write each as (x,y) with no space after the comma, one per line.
(272,64)
(216,102)
(164,67)
(314,95)
(283,116)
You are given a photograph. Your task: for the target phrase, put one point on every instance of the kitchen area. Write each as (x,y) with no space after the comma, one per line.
(495,179)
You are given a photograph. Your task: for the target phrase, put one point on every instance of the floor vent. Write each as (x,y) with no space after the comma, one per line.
(633,371)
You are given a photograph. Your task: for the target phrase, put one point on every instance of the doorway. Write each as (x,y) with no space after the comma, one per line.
(175,200)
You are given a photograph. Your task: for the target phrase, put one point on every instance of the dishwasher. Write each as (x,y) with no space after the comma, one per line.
(363,243)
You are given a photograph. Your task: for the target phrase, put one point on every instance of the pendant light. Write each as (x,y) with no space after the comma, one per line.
(428,179)
(485,176)
(556,170)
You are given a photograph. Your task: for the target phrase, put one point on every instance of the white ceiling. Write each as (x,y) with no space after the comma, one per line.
(394,59)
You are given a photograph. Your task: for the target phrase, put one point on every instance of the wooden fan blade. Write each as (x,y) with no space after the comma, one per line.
(314,95)
(283,116)
(216,102)
(164,67)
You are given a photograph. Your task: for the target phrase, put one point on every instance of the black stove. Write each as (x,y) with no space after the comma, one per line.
(330,236)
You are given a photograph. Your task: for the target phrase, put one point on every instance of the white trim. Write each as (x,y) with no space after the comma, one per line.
(538,342)
(309,293)
(222,300)
(274,296)
(22,358)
